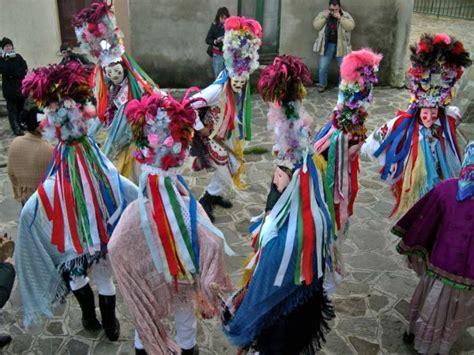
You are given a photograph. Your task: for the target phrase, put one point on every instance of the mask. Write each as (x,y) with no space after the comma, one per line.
(237,84)
(280,179)
(115,73)
(428,116)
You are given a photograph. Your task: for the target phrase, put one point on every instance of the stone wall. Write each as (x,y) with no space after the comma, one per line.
(383,25)
(168,38)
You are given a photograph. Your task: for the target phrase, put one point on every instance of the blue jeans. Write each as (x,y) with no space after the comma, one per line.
(217,64)
(325,61)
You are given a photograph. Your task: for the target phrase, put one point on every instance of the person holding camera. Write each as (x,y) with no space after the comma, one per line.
(334,38)
(13,69)
(215,40)
(67,53)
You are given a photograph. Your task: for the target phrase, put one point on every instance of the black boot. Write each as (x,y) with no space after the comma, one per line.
(206,203)
(408,338)
(110,323)
(193,351)
(85,298)
(140,352)
(220,201)
(5,340)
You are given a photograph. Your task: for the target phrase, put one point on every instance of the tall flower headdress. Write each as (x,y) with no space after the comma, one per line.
(282,85)
(162,129)
(437,63)
(98,34)
(358,76)
(62,91)
(84,207)
(242,39)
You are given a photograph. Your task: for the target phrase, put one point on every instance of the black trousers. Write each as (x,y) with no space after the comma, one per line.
(15,107)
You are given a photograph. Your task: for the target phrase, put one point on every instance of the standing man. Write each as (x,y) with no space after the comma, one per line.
(13,69)
(334,38)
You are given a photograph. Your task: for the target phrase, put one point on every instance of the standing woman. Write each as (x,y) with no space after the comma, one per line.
(215,40)
(436,234)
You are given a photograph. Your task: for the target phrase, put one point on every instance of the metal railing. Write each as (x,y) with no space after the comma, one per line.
(446,8)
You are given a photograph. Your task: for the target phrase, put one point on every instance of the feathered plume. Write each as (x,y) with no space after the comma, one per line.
(284,80)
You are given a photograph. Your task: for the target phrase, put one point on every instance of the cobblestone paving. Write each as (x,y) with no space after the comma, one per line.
(371,303)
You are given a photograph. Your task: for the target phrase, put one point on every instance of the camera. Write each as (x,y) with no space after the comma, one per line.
(10,55)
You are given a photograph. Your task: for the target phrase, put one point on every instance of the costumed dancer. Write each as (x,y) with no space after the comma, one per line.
(225,115)
(337,146)
(437,234)
(117,79)
(418,148)
(167,256)
(66,224)
(282,307)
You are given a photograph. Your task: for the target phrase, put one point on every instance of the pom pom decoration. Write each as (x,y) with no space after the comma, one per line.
(162,129)
(437,63)
(242,39)
(62,91)
(97,32)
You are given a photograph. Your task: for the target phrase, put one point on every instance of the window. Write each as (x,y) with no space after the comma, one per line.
(66,10)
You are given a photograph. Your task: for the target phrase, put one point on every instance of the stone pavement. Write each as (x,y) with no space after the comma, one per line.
(371,303)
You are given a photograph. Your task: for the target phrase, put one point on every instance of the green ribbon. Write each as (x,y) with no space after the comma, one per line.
(179,218)
(299,253)
(248,113)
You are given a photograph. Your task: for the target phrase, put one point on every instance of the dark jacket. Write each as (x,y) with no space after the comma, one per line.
(13,71)
(7,277)
(76,58)
(216,31)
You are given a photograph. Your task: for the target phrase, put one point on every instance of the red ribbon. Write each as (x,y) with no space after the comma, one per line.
(98,215)
(162,225)
(70,209)
(309,232)
(354,183)
(144,84)
(57,235)
(45,202)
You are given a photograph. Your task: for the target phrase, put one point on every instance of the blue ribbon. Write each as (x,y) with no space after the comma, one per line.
(193,216)
(323,131)
(313,172)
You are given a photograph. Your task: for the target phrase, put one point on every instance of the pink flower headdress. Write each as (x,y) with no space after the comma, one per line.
(358,76)
(62,91)
(98,34)
(162,129)
(242,40)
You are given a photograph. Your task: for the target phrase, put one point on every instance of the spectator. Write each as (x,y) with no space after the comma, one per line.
(334,38)
(215,40)
(13,69)
(7,277)
(67,52)
(28,158)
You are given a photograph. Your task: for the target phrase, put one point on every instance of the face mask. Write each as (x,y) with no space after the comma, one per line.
(237,84)
(280,179)
(115,73)
(428,116)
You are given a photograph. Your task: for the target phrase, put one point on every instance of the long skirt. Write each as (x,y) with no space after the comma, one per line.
(438,314)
